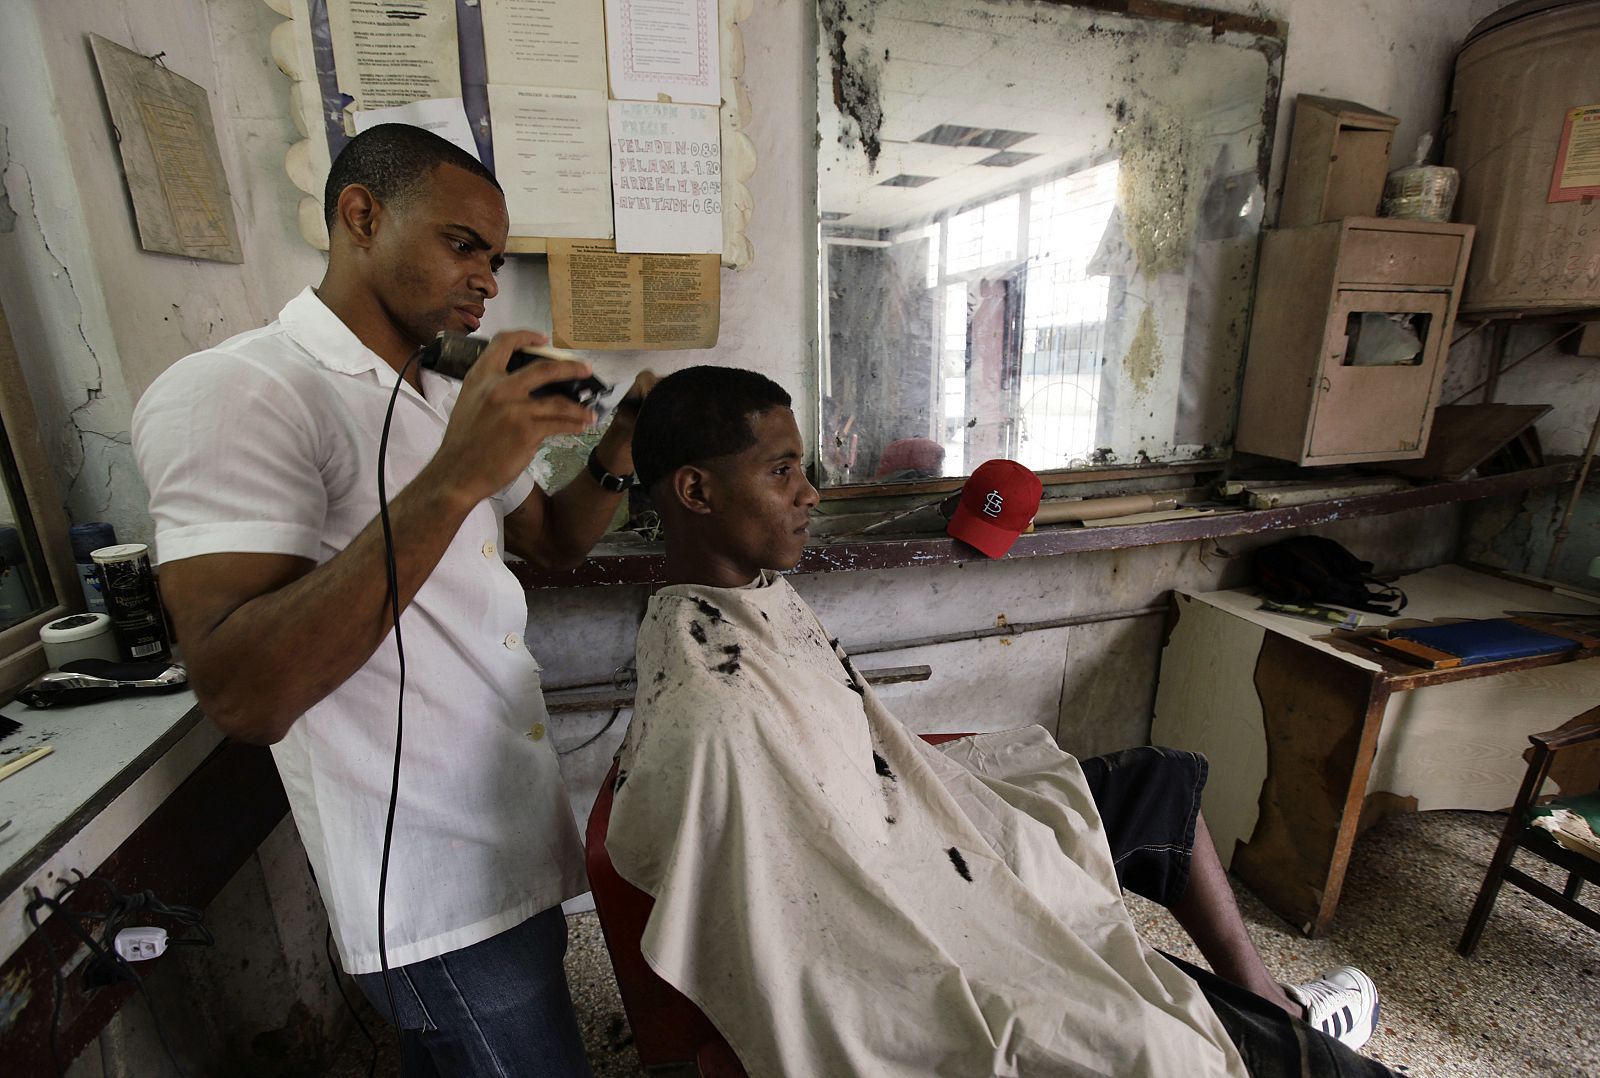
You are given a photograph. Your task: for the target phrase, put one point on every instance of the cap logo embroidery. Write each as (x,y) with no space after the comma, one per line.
(993,503)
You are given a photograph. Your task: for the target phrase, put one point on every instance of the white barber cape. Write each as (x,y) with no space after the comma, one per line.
(842,899)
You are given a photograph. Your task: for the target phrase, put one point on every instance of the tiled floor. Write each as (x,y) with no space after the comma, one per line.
(1524,1005)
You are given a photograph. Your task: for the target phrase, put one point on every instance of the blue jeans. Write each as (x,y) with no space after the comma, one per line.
(499,1008)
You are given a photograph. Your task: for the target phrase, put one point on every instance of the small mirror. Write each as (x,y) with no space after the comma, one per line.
(24,579)
(1038,228)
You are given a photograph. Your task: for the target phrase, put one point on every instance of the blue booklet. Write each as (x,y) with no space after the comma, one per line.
(1487,641)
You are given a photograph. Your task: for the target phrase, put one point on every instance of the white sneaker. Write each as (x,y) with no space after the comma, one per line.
(1343,1003)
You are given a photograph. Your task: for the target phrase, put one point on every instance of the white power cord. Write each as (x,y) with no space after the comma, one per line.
(140,944)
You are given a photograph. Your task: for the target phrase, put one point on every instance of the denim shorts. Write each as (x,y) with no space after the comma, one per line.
(1149,800)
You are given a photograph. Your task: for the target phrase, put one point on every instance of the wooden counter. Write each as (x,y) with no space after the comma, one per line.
(140,791)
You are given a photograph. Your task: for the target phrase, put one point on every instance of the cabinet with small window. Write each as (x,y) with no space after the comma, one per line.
(1348,338)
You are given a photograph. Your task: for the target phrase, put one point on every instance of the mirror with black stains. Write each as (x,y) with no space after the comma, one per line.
(24,585)
(1038,227)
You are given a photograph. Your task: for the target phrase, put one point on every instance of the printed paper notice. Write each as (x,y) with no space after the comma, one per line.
(664,49)
(1577,173)
(551,157)
(666,177)
(444,116)
(602,300)
(546,43)
(170,156)
(393,52)
(191,191)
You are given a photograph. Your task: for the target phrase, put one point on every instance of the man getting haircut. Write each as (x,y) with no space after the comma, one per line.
(841,898)
(706,416)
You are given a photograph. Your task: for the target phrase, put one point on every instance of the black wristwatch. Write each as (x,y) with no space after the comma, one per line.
(616,484)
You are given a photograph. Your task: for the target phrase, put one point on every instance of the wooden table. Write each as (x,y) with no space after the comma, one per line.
(1313,737)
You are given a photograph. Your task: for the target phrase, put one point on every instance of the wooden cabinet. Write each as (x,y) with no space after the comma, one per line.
(1351,326)
(1338,160)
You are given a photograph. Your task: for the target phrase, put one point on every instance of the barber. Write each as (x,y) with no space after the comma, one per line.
(261,456)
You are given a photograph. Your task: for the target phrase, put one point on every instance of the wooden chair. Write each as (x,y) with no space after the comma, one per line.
(670,1032)
(1520,834)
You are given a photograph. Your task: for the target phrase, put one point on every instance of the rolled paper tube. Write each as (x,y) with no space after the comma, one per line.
(1065,509)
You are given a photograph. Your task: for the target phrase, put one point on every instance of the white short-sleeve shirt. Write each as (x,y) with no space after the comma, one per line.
(268,443)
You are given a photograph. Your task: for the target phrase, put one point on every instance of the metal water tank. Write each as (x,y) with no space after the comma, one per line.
(1518,75)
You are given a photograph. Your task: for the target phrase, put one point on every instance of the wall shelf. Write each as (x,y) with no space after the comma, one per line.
(644,563)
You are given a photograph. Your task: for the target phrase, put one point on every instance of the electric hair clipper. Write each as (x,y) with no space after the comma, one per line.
(453,354)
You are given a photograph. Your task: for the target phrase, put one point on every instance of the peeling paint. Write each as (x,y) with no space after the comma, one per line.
(1143,361)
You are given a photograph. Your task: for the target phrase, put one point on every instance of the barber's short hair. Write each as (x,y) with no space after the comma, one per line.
(392,161)
(698,414)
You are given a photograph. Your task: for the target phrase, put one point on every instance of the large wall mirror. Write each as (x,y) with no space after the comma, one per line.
(1038,225)
(37,580)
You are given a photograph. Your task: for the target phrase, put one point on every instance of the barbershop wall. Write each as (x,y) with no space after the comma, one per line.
(96,319)
(1093,684)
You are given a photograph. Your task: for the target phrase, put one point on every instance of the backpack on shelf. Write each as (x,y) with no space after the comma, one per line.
(1311,568)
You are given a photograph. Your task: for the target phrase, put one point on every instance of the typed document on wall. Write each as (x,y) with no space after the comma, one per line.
(551,157)
(545,43)
(393,52)
(664,50)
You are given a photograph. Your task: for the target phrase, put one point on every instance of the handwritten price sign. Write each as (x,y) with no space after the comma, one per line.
(666,178)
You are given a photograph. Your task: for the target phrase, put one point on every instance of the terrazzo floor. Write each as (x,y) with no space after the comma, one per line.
(1525,1004)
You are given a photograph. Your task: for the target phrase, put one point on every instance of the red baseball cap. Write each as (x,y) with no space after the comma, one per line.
(998,502)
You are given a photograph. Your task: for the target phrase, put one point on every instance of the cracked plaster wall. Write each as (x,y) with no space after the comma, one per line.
(55,127)
(70,256)
(96,318)
(57,311)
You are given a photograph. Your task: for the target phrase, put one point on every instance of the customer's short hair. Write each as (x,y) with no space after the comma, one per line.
(392,161)
(698,414)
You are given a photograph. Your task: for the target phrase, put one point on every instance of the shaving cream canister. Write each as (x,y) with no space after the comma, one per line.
(86,539)
(78,636)
(129,586)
